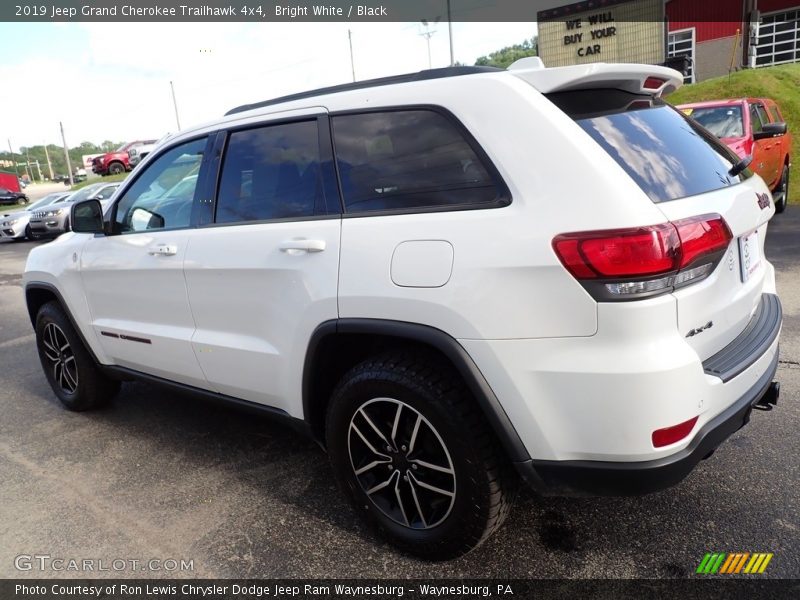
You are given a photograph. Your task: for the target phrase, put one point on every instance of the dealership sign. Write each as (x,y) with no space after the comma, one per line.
(602,31)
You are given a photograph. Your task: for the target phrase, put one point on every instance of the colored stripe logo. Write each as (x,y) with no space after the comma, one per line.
(734,563)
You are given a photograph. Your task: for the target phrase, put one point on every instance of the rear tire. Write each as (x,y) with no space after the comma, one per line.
(783,187)
(436,494)
(71,371)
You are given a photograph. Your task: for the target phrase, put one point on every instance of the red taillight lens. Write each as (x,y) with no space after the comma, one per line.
(653,83)
(701,236)
(620,253)
(670,435)
(643,261)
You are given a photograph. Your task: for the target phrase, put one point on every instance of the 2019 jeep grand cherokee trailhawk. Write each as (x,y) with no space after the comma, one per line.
(444,278)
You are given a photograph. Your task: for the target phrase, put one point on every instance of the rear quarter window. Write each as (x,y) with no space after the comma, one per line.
(410,160)
(666,153)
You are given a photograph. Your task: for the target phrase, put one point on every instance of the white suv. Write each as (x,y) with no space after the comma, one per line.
(445,278)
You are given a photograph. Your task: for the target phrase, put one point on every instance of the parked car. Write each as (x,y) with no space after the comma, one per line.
(443,278)
(751,127)
(138,153)
(10,197)
(112,163)
(16,225)
(52,221)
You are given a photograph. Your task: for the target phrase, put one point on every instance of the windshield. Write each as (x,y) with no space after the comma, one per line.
(722,121)
(49,199)
(84,193)
(122,148)
(667,154)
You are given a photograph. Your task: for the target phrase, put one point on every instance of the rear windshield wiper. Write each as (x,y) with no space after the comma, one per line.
(741,165)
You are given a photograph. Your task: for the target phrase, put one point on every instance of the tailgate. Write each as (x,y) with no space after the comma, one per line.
(728,298)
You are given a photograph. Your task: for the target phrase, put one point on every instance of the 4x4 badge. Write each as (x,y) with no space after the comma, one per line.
(763,200)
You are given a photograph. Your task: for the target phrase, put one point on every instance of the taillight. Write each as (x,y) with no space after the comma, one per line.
(626,264)
(670,435)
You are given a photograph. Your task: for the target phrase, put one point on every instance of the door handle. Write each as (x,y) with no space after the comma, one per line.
(301,246)
(162,250)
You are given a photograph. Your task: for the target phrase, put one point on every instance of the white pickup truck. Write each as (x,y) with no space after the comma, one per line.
(136,154)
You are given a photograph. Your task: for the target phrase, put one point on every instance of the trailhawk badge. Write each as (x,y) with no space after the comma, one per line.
(763,200)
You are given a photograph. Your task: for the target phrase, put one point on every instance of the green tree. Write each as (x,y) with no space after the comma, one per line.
(504,57)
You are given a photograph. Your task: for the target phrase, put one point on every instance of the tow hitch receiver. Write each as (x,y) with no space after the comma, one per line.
(770,397)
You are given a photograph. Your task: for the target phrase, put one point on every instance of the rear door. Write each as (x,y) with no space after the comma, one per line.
(263,275)
(685,171)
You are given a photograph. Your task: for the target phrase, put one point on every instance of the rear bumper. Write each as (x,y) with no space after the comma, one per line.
(606,478)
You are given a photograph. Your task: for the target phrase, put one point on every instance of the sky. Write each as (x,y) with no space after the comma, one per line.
(111,81)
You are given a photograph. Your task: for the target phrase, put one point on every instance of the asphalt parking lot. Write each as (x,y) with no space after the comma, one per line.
(158,475)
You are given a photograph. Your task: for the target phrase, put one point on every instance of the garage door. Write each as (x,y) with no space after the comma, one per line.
(778,38)
(681,43)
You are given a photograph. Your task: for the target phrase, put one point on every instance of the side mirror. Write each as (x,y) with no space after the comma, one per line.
(770,130)
(87,217)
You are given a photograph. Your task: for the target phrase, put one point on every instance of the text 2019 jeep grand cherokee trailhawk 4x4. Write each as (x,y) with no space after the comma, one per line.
(440,277)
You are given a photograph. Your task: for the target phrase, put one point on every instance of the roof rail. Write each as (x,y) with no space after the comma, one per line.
(369,83)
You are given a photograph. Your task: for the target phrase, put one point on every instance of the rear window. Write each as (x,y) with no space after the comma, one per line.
(722,121)
(667,154)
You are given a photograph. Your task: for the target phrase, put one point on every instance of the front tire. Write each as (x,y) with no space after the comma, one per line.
(116,168)
(29,235)
(783,188)
(70,370)
(412,451)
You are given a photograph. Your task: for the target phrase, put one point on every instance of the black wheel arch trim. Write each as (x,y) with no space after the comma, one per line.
(436,338)
(49,287)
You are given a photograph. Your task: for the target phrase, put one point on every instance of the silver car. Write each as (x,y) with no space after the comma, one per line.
(16,225)
(52,221)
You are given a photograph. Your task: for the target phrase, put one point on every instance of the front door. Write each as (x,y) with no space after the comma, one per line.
(134,277)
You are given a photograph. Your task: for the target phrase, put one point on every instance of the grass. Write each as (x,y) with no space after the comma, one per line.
(781,83)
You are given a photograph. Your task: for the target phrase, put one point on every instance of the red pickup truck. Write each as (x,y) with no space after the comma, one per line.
(115,162)
(751,126)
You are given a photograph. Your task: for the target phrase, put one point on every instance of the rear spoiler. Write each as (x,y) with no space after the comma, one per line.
(634,78)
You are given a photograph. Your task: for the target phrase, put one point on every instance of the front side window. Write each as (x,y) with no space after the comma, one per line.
(755,119)
(271,172)
(407,160)
(162,196)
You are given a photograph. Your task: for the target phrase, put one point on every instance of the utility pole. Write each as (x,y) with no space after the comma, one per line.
(39,168)
(352,61)
(13,159)
(66,154)
(28,169)
(427,34)
(175,104)
(450,33)
(49,164)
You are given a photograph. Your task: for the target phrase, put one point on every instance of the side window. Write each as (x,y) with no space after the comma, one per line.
(776,114)
(162,196)
(762,112)
(406,160)
(755,119)
(271,172)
